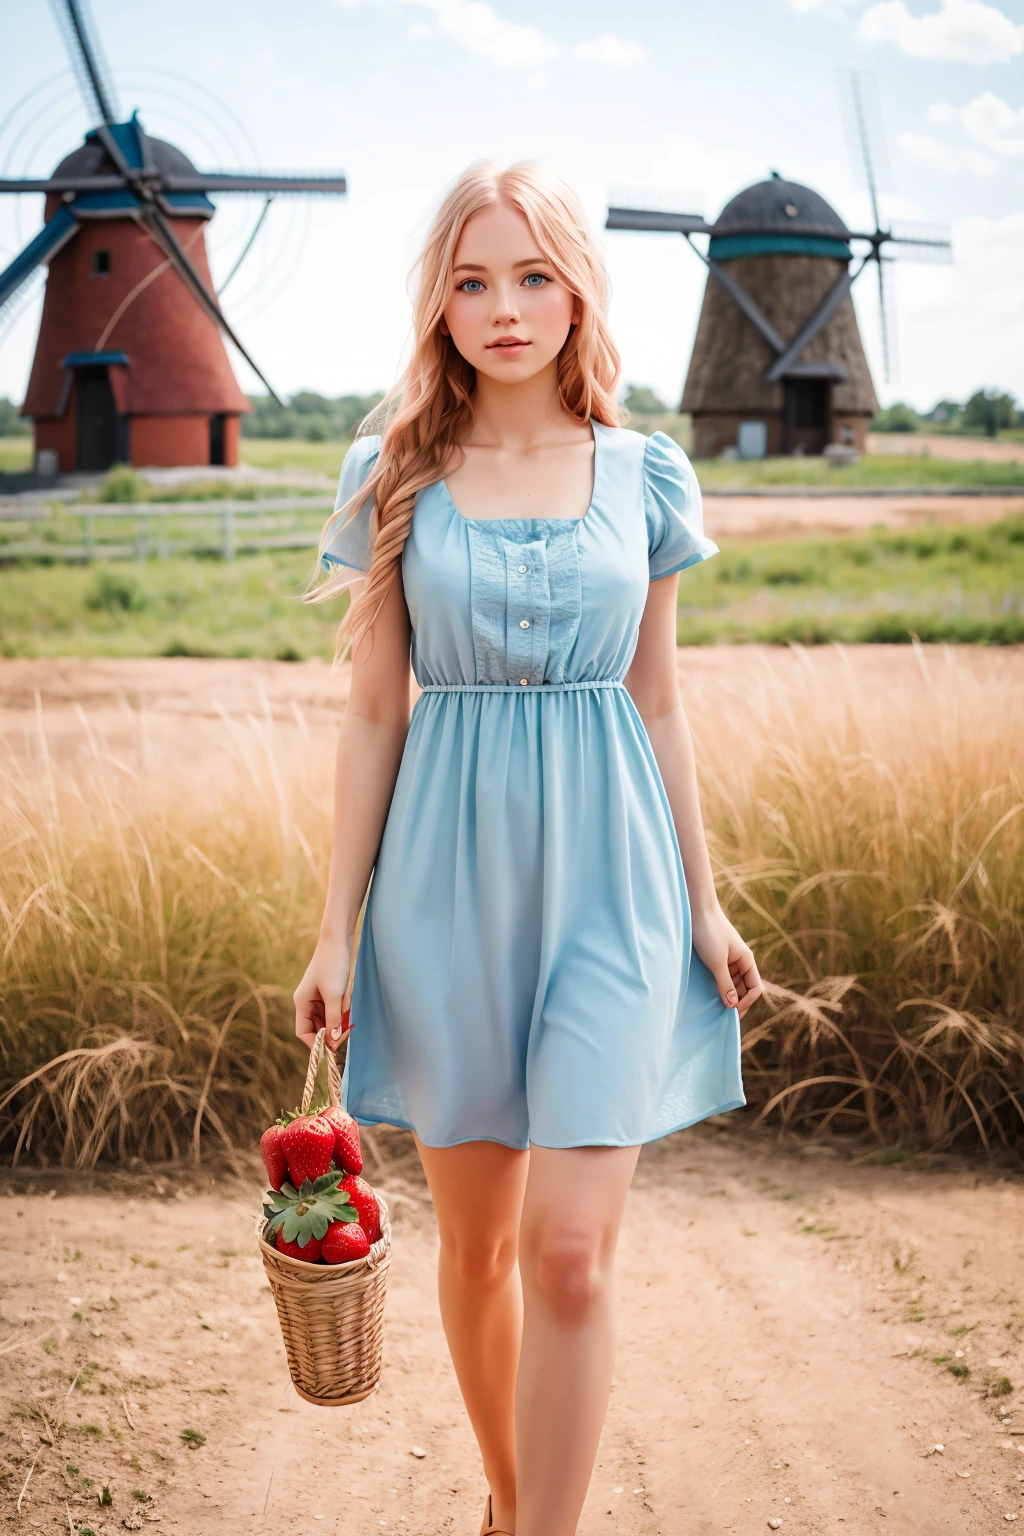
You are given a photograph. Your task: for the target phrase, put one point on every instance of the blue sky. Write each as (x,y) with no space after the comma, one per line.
(666,95)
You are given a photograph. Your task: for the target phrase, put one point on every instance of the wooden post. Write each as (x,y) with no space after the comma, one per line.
(89,536)
(229,533)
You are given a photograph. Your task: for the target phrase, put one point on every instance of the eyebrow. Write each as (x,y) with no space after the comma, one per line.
(474,266)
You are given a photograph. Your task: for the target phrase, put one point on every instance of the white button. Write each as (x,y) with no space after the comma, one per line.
(524,623)
(524,682)
(522,570)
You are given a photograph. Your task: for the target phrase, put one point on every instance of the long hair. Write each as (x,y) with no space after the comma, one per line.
(430,407)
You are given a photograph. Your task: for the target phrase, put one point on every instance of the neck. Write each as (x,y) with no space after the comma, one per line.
(518,416)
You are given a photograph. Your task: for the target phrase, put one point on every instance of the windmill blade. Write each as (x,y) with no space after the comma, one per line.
(65,184)
(821,316)
(53,235)
(242,181)
(866,136)
(887,322)
(921,242)
(165,237)
(87,59)
(247,247)
(653,218)
(653,209)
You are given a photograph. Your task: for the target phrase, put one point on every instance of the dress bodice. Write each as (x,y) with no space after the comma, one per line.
(528,602)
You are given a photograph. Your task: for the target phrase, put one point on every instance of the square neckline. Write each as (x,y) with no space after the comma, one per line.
(568,522)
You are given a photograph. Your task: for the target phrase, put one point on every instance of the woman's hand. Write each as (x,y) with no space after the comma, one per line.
(729,960)
(322,996)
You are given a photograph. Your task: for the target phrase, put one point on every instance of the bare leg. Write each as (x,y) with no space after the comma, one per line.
(570,1226)
(478,1196)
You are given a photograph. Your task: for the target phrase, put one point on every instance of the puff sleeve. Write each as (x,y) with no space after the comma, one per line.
(672,503)
(350,544)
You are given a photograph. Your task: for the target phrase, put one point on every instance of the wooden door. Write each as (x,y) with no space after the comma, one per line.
(102,433)
(806,415)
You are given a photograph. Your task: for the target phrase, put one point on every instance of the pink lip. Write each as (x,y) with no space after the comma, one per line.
(507,344)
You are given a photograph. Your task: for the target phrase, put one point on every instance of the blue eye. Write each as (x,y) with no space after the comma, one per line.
(471,285)
(535,279)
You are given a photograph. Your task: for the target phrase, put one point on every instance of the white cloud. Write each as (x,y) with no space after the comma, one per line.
(614,52)
(948,159)
(476,26)
(988,121)
(960,31)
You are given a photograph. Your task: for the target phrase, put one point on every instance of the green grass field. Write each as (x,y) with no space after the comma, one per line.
(889,471)
(15,454)
(894,471)
(873,472)
(951,584)
(956,584)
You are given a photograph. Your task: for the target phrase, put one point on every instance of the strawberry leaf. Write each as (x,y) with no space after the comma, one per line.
(308,1211)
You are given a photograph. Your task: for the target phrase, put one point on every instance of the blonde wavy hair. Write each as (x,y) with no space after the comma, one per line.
(424,416)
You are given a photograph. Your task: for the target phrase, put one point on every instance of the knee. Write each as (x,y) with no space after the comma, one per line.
(482,1262)
(566,1275)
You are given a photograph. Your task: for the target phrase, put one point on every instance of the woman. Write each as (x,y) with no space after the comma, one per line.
(545,977)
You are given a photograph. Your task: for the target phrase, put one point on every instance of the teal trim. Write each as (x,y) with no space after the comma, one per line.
(728,247)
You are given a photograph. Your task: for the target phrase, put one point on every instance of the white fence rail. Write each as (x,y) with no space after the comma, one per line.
(231,528)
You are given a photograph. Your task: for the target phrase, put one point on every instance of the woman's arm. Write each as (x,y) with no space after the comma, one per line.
(653,684)
(370,745)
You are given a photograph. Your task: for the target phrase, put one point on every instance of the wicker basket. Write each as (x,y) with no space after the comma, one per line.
(331,1315)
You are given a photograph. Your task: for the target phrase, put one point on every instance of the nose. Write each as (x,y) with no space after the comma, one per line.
(506,306)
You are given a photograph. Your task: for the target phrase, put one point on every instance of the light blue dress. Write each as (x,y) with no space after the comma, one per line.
(525,972)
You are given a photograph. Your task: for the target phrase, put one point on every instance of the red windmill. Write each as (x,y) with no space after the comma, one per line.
(130,364)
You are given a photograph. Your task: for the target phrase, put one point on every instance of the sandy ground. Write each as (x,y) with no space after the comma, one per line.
(784,517)
(788,1318)
(939,445)
(178,692)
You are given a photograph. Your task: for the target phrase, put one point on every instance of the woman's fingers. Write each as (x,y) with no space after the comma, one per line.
(743,969)
(309,1010)
(332,1018)
(724,982)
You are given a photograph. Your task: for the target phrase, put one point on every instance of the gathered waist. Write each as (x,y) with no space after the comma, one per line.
(609,682)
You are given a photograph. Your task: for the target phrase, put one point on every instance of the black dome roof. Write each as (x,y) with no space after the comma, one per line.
(91,159)
(773,206)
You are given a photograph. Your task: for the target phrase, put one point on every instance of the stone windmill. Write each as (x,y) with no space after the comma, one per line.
(778,365)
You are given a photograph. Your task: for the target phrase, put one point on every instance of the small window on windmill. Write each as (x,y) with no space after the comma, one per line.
(101,263)
(752,439)
(790,210)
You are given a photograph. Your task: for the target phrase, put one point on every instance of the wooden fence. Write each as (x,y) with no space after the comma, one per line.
(80,532)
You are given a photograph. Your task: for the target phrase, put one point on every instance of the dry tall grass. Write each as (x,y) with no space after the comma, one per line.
(867,825)
(158,901)
(155,908)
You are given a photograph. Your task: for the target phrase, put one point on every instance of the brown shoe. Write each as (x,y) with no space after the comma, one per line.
(489,1528)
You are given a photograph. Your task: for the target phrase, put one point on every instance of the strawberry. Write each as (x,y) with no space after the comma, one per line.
(348,1154)
(343,1242)
(365,1202)
(273,1157)
(307,1144)
(311,1252)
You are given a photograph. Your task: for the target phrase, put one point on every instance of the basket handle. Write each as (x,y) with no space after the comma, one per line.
(319,1049)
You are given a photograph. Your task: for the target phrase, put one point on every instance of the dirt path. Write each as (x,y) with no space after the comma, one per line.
(799,516)
(788,1320)
(944,445)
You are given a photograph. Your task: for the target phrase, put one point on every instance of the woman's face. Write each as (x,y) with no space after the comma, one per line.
(508,313)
